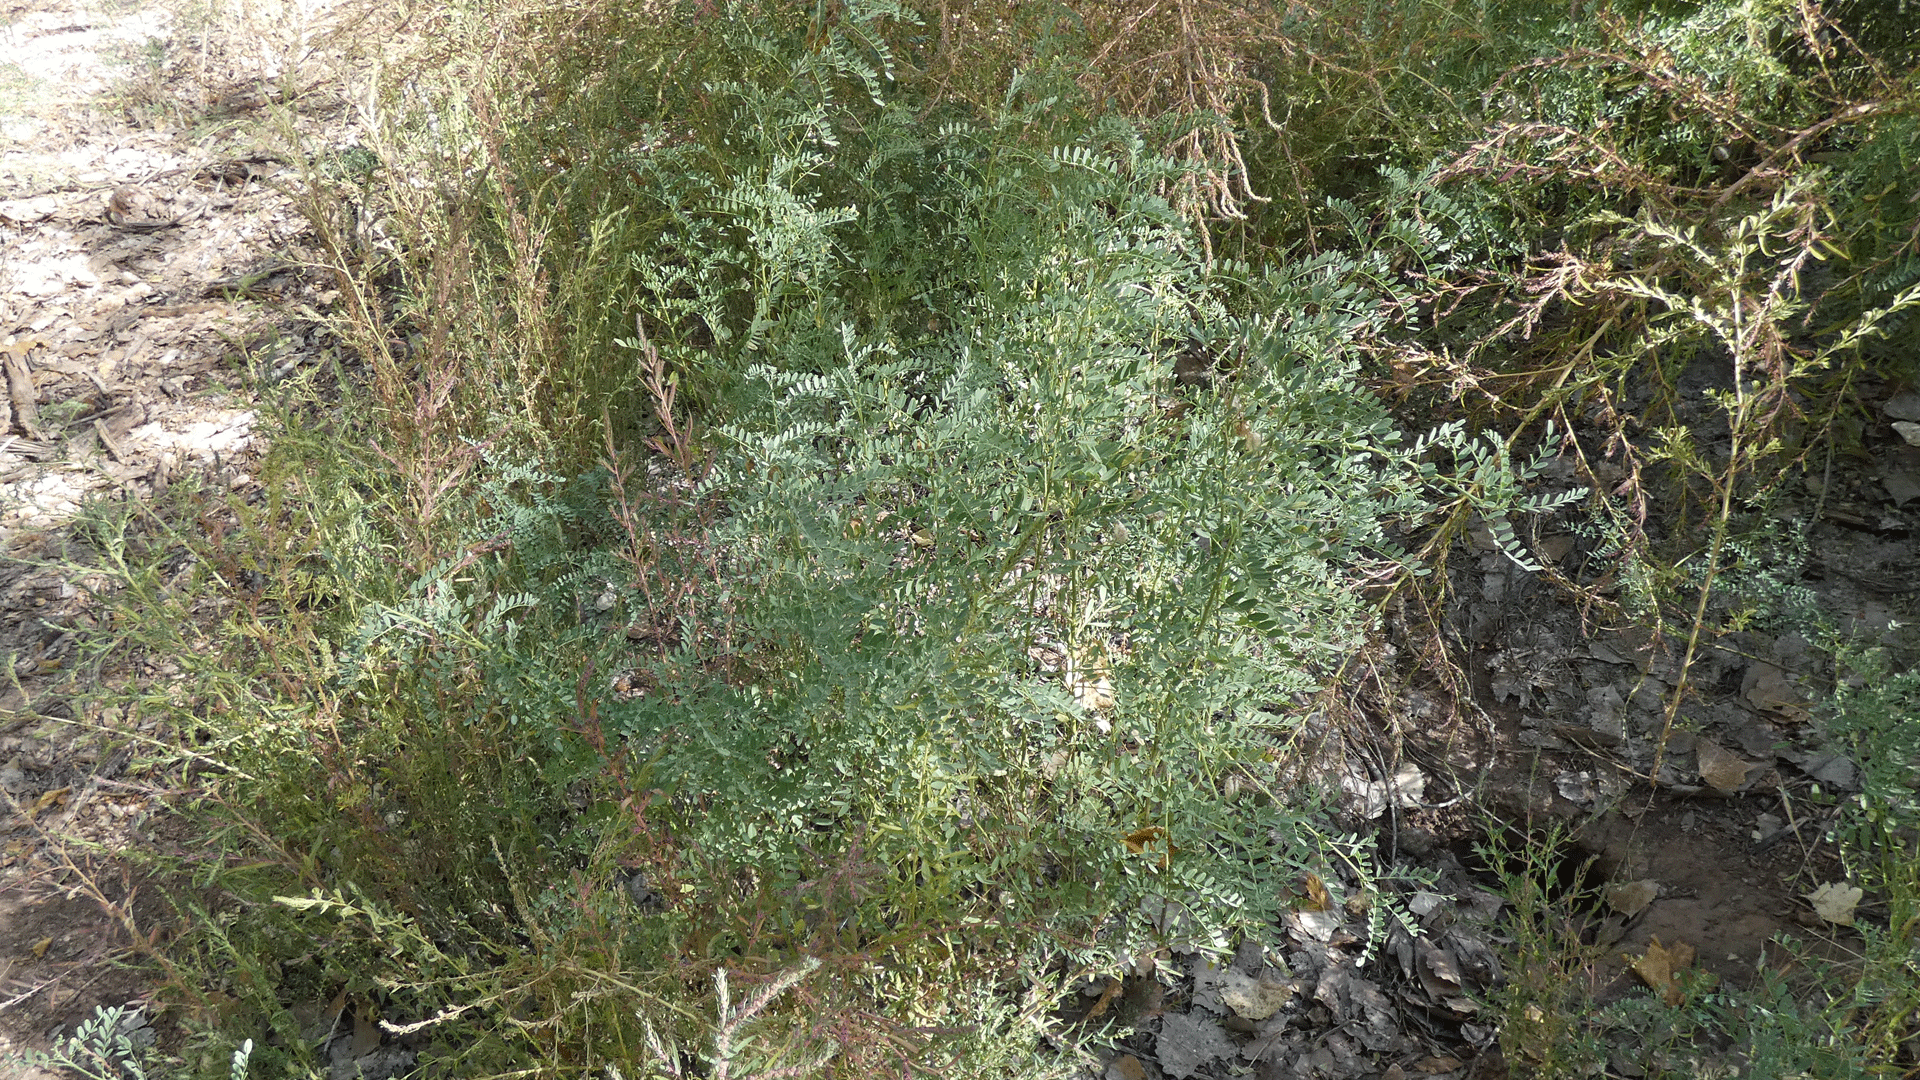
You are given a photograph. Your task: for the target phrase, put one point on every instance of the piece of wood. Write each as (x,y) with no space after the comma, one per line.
(20,389)
(107,440)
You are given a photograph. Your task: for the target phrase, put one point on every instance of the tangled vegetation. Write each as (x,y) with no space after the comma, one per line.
(863,499)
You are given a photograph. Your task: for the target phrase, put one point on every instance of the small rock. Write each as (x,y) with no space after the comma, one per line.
(1903,406)
(1904,486)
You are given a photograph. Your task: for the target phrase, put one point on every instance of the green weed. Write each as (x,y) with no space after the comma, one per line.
(821,546)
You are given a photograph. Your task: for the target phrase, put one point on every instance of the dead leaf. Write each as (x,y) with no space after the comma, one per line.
(1107,995)
(1359,1004)
(1723,771)
(46,799)
(1835,902)
(1208,977)
(28,211)
(20,389)
(1139,841)
(1630,898)
(366,1032)
(1318,899)
(1660,968)
(1440,977)
(1251,998)
(1831,770)
(1770,690)
(1188,1042)
(1269,1040)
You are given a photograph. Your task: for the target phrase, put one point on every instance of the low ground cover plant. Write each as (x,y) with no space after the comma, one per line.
(817,557)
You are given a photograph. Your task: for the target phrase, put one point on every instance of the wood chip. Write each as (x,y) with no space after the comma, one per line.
(20,389)
(131,208)
(107,440)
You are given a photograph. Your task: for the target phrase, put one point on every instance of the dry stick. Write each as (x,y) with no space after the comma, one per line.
(1850,114)
(1714,552)
(1715,549)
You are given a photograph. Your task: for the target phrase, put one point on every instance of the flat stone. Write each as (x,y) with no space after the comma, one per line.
(1903,406)
(1903,487)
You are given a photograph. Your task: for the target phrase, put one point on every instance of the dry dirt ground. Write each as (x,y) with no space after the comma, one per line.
(144,293)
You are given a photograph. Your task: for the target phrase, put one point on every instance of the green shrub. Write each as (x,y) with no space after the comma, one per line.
(826,556)
(948,645)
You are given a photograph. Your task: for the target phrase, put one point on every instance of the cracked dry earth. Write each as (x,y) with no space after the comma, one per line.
(141,294)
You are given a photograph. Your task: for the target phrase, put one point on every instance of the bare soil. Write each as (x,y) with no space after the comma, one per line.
(145,295)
